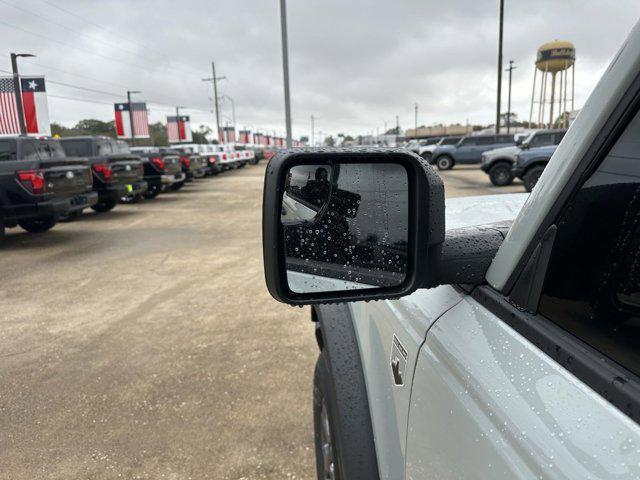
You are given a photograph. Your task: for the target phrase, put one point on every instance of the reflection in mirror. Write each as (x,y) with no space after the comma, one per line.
(345,226)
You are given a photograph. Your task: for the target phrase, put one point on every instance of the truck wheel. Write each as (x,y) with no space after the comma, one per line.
(444,162)
(426,155)
(324,424)
(177,186)
(343,434)
(1,230)
(104,206)
(152,192)
(500,174)
(131,198)
(531,177)
(38,225)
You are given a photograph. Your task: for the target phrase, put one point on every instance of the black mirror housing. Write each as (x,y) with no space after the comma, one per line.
(426,224)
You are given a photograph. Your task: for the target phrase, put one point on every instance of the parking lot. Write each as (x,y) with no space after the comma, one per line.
(142,343)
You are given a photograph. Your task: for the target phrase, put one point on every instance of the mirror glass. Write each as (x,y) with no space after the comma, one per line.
(345,226)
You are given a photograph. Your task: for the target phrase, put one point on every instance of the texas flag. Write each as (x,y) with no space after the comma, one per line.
(34,102)
(179,131)
(138,115)
(244,136)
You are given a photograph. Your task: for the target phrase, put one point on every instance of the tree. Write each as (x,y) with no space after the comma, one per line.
(200,135)
(95,127)
(89,126)
(329,141)
(59,130)
(158,134)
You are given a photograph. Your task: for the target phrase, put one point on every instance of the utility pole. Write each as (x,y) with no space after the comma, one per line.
(313,131)
(510,70)
(285,69)
(214,80)
(415,122)
(499,65)
(397,125)
(17,89)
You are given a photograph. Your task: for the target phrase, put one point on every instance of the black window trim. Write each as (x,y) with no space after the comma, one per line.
(624,112)
(611,380)
(617,385)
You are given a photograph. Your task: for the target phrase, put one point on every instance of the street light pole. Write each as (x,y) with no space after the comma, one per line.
(133,134)
(285,69)
(510,70)
(233,108)
(499,66)
(17,89)
(415,122)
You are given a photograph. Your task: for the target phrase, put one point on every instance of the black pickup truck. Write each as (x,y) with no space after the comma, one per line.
(115,174)
(38,184)
(162,169)
(193,165)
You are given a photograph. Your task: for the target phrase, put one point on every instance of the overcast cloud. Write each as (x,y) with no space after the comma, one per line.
(354,64)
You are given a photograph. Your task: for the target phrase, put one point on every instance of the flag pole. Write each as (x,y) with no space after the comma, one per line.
(18,90)
(133,135)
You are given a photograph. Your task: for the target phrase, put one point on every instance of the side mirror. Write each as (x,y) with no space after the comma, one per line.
(525,145)
(346,225)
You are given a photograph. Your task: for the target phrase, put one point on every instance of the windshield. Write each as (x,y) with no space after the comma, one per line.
(449,141)
(50,149)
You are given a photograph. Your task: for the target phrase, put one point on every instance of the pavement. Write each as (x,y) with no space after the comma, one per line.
(142,343)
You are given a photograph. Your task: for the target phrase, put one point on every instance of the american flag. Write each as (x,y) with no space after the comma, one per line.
(140,119)
(9,123)
(179,130)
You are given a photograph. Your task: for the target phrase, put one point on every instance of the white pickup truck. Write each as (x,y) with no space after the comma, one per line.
(506,346)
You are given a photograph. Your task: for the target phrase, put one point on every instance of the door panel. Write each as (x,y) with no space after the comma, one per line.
(376,323)
(486,403)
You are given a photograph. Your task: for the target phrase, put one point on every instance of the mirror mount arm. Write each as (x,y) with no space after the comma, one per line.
(466,254)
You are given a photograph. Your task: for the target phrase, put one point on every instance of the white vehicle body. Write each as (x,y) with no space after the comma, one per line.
(483,397)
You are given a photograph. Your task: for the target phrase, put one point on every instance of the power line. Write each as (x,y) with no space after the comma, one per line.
(73,30)
(93,54)
(116,34)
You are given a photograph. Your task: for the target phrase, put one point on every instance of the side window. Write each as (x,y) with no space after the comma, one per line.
(541,139)
(7,150)
(485,140)
(506,139)
(29,151)
(592,287)
(74,148)
(557,137)
(468,142)
(104,148)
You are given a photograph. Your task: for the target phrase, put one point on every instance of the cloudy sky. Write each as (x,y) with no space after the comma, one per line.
(354,65)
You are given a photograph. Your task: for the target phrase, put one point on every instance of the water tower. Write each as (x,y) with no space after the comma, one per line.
(554,59)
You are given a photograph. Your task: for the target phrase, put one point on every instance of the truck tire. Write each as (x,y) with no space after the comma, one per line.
(152,192)
(426,155)
(177,186)
(2,228)
(531,177)
(500,174)
(104,206)
(445,162)
(343,433)
(38,225)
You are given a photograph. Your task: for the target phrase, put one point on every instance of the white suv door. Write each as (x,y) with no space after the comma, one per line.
(550,388)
